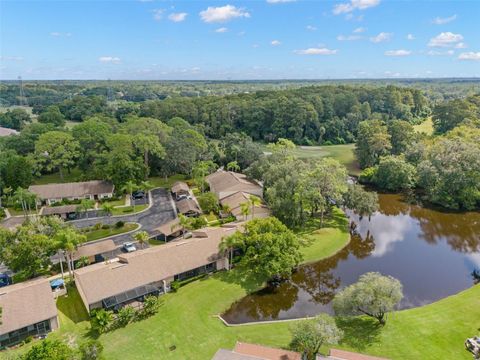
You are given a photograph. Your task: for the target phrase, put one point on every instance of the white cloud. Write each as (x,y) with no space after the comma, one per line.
(440,53)
(398,52)
(470,56)
(445,39)
(221,30)
(177,17)
(349,37)
(109,59)
(410,37)
(383,36)
(441,21)
(279,1)
(461,45)
(359,30)
(354,5)
(158,14)
(311,27)
(222,13)
(316,51)
(275,43)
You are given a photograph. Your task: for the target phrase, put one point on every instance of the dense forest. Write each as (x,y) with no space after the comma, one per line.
(131,139)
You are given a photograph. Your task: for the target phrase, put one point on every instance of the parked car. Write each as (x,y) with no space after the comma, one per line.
(139,194)
(129,247)
(5,280)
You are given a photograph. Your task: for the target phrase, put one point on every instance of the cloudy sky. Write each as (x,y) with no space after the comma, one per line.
(262,39)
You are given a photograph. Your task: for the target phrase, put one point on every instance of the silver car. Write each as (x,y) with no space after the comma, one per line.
(129,247)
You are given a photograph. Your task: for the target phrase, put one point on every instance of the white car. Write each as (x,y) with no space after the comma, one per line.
(129,247)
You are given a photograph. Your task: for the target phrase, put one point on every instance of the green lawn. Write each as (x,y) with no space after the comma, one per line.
(343,153)
(73,176)
(103,233)
(425,127)
(128,209)
(187,320)
(116,202)
(160,181)
(324,242)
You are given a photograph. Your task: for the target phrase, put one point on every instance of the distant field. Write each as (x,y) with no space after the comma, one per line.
(343,153)
(426,127)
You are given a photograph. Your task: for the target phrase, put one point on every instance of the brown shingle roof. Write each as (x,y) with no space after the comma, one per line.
(25,304)
(94,248)
(7,132)
(180,186)
(229,181)
(64,209)
(235,200)
(223,354)
(99,281)
(75,189)
(169,228)
(264,352)
(187,205)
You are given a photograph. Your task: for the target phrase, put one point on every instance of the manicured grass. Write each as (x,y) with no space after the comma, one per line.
(324,242)
(155,242)
(187,321)
(74,176)
(117,202)
(425,127)
(14,212)
(159,181)
(103,233)
(343,153)
(128,209)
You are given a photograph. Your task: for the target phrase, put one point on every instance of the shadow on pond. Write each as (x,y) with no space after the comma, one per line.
(412,243)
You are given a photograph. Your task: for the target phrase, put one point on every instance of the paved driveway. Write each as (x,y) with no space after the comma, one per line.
(161,212)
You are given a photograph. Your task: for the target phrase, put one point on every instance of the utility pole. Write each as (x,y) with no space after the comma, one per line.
(22,99)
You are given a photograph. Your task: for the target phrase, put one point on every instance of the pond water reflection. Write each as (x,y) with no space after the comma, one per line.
(432,253)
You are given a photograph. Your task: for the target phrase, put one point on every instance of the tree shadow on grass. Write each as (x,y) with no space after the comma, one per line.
(247,279)
(359,333)
(71,306)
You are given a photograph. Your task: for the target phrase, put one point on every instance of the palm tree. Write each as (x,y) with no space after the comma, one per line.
(142,238)
(8,192)
(233,166)
(107,208)
(183,222)
(254,201)
(228,244)
(146,186)
(82,262)
(68,240)
(85,205)
(22,196)
(226,209)
(129,188)
(245,209)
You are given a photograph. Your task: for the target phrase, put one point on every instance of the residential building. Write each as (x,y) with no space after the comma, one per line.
(96,251)
(65,211)
(234,203)
(180,188)
(28,309)
(246,351)
(225,183)
(188,207)
(168,231)
(7,132)
(52,193)
(131,277)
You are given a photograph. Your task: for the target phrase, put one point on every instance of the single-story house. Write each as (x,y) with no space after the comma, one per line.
(131,277)
(225,183)
(188,207)
(28,309)
(7,132)
(235,201)
(168,231)
(64,211)
(95,251)
(180,188)
(246,351)
(51,193)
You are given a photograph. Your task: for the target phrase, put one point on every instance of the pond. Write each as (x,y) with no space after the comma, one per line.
(432,253)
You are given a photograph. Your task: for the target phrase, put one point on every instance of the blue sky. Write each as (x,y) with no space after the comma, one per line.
(263,39)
